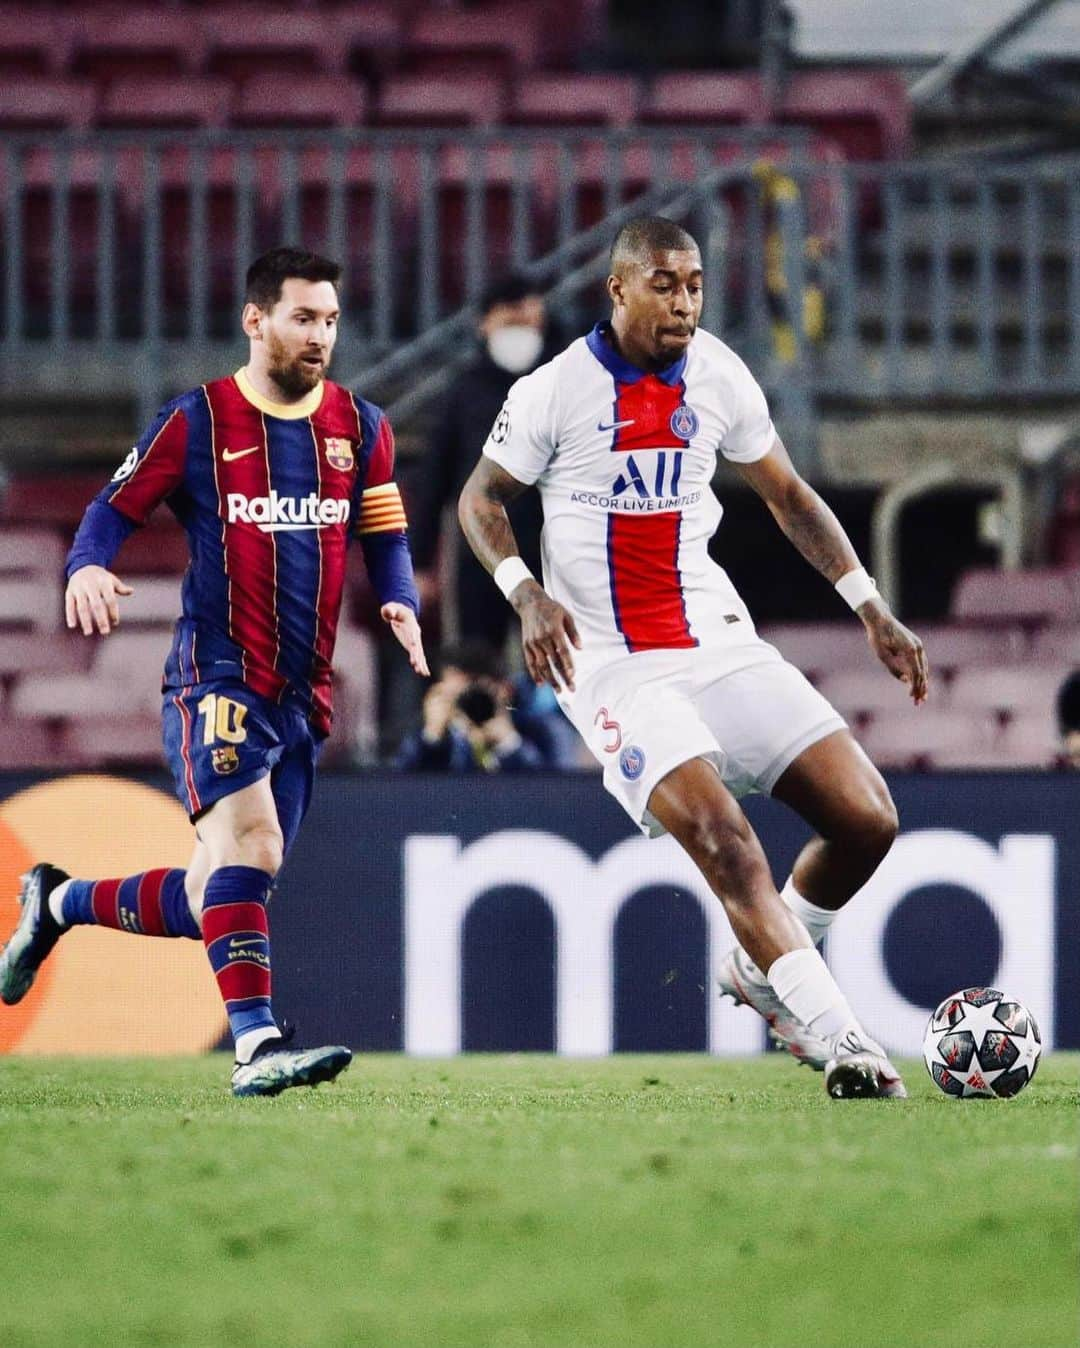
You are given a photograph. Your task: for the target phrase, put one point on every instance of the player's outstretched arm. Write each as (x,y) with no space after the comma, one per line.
(547,629)
(90,600)
(818,534)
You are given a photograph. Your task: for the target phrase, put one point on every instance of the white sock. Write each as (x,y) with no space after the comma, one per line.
(249,1042)
(802,981)
(817,921)
(56,902)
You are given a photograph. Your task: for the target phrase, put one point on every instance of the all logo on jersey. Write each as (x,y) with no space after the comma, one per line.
(275,514)
(684,422)
(339,453)
(663,482)
(128,466)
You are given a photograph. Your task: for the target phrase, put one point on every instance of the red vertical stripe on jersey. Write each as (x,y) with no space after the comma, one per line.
(159,471)
(646,406)
(194,803)
(646,587)
(250,554)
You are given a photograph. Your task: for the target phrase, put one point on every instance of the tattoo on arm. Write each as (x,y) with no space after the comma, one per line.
(813,528)
(482,512)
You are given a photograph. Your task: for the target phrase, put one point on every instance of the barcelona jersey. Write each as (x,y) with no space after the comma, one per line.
(269,495)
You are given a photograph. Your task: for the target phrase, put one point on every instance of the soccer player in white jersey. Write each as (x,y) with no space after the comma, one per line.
(654,655)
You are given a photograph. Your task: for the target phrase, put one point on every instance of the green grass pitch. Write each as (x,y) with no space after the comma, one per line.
(526,1201)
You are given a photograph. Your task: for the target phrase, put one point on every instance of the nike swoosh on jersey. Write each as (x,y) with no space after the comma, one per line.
(229,454)
(615,425)
(240,945)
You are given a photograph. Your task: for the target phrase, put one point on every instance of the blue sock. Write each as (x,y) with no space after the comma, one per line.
(237,938)
(150,904)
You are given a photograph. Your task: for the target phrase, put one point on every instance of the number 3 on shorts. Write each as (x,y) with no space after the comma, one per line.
(223,719)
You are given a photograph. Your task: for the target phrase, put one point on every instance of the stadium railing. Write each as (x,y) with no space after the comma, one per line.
(124,251)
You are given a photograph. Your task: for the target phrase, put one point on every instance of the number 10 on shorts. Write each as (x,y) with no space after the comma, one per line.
(223,719)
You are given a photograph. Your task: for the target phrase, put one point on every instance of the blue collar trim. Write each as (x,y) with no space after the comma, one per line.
(621,369)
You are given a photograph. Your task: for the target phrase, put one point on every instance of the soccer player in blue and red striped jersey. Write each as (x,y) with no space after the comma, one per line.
(270,472)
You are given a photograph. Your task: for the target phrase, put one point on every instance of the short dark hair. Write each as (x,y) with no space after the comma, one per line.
(644,235)
(267,274)
(1068,704)
(474,656)
(508,289)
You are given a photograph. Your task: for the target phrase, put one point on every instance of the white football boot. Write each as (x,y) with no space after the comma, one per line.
(859,1069)
(735,981)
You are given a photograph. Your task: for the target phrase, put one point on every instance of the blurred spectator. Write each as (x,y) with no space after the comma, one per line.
(477,720)
(1068,715)
(511,329)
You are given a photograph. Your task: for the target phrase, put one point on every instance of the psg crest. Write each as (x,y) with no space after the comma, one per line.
(684,422)
(339,453)
(632,762)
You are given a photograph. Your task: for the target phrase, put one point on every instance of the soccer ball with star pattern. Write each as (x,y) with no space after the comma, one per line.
(979,1042)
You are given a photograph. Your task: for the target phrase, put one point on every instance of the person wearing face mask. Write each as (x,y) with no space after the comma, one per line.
(512,330)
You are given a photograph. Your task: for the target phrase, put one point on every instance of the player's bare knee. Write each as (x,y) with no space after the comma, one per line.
(261,846)
(875,825)
(729,855)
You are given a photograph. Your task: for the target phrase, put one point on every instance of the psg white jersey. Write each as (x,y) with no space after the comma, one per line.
(624,461)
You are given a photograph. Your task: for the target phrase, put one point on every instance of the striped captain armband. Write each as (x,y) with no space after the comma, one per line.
(381,510)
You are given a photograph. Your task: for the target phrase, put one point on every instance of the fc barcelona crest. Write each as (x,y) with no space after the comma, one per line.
(224,759)
(684,422)
(339,453)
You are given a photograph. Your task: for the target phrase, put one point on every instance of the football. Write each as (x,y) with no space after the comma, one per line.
(979,1042)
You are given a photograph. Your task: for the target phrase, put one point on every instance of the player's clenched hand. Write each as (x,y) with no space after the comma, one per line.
(898,649)
(90,600)
(547,632)
(404,626)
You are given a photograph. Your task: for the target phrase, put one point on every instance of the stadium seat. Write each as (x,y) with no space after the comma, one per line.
(156,601)
(241,44)
(580,100)
(33,42)
(821,648)
(431,101)
(59,697)
(319,100)
(928,737)
(107,740)
(30,603)
(111,44)
(859,694)
(133,660)
(1019,690)
(370,35)
(950,647)
(706,97)
(866,112)
(58,499)
(35,552)
(1059,644)
(61,652)
(138,102)
(40,103)
(452,41)
(1031,598)
(29,744)
(1030,740)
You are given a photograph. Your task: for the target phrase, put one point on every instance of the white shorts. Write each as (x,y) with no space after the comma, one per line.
(644,715)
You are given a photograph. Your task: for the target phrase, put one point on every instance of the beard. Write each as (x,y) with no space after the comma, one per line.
(292,376)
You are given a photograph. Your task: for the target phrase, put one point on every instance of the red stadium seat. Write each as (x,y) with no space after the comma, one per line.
(30,603)
(370,35)
(29,744)
(105,740)
(950,647)
(862,693)
(318,100)
(137,102)
(580,100)
(113,43)
(133,660)
(417,100)
(62,652)
(929,736)
(1030,597)
(866,112)
(692,96)
(1031,740)
(1057,644)
(33,552)
(39,103)
(1009,691)
(452,41)
(33,42)
(821,648)
(242,43)
(58,499)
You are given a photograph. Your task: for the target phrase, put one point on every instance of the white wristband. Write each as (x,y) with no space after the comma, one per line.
(509,574)
(856,587)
